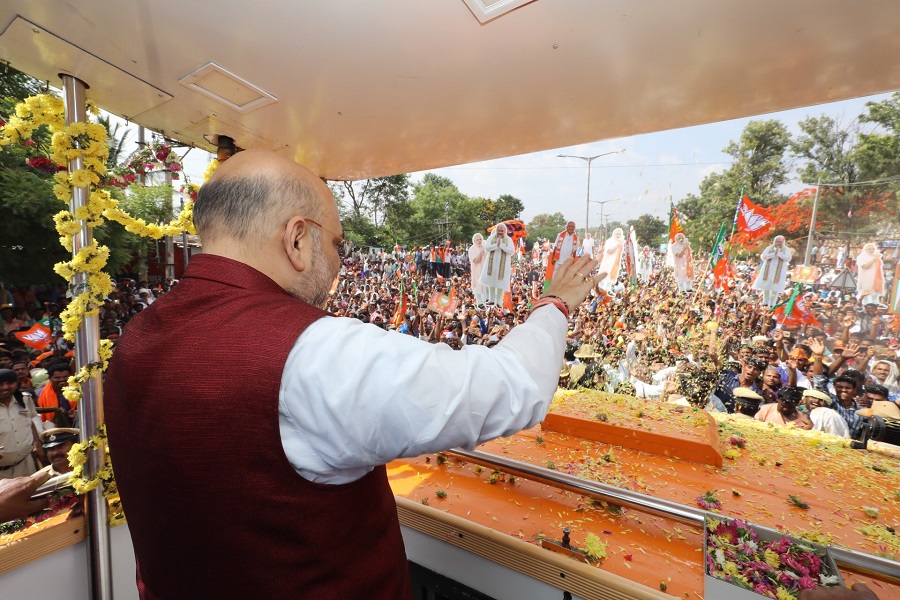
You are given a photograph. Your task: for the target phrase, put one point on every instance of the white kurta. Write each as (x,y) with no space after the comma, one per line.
(354,396)
(644,266)
(870,274)
(681,262)
(477,255)
(611,260)
(828,420)
(773,268)
(498,263)
(565,251)
(587,248)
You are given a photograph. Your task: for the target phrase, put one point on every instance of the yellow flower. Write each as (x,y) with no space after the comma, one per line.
(77,128)
(731,453)
(210,169)
(783,594)
(730,568)
(594,548)
(772,559)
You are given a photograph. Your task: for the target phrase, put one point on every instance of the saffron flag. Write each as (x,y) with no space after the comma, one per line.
(38,337)
(724,273)
(515,229)
(719,263)
(674,225)
(442,303)
(752,220)
(793,312)
(400,315)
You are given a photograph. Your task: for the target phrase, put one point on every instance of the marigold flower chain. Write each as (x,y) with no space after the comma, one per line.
(78,459)
(72,391)
(87,141)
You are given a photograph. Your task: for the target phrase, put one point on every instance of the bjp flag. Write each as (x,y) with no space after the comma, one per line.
(38,337)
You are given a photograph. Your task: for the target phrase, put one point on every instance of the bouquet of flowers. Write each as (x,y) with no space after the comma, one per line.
(777,568)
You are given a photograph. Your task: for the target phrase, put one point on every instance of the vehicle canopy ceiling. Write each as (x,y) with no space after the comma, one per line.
(355,89)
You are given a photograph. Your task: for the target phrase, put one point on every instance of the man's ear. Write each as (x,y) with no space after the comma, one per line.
(296,243)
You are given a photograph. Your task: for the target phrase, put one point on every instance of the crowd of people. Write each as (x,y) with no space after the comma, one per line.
(665,334)
(617,319)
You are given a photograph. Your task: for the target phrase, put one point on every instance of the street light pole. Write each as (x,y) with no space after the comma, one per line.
(601,203)
(587,203)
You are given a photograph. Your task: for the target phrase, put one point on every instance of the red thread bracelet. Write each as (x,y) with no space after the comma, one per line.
(556,301)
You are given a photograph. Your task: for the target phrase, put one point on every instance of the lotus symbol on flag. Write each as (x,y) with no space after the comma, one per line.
(39,335)
(754,221)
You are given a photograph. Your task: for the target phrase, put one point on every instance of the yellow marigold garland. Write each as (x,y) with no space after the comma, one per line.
(78,455)
(87,141)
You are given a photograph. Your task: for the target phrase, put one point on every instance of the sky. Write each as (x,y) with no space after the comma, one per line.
(652,168)
(638,181)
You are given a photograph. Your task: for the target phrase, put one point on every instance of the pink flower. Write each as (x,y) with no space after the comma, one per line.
(708,501)
(806,583)
(764,589)
(791,562)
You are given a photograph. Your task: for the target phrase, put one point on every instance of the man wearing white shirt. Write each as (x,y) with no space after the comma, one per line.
(587,246)
(317,414)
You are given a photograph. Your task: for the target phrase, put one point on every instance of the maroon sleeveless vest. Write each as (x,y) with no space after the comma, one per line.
(214,507)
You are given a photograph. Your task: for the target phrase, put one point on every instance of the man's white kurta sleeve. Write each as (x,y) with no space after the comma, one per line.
(354,396)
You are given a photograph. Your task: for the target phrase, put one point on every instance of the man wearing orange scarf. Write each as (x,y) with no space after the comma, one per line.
(52,396)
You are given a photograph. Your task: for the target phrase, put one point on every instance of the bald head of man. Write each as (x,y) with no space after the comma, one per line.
(274,215)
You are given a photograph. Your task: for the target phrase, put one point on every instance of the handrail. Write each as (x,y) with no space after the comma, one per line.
(56,482)
(850,559)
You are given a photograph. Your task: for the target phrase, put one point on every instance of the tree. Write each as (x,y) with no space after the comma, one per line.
(117,138)
(29,244)
(437,207)
(760,165)
(151,203)
(491,212)
(546,226)
(759,168)
(649,230)
(829,153)
(878,152)
(373,210)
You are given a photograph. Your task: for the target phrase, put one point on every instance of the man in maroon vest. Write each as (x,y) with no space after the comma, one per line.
(261,474)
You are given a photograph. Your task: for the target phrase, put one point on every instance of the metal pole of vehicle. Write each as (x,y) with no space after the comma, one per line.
(87,344)
(853,560)
(812,225)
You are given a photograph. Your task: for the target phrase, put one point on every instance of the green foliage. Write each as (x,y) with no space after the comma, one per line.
(759,168)
(374,211)
(840,155)
(546,226)
(650,230)
(439,211)
(878,153)
(117,138)
(390,210)
(29,244)
(14,87)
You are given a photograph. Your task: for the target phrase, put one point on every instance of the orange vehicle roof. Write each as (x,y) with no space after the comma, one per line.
(853,496)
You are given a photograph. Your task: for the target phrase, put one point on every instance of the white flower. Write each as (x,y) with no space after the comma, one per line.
(828,580)
(720,556)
